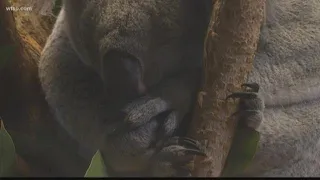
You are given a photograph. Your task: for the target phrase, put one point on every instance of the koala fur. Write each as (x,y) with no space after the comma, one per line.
(156,51)
(120,76)
(287,67)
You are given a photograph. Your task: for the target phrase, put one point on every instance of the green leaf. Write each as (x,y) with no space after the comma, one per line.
(7,152)
(242,151)
(97,167)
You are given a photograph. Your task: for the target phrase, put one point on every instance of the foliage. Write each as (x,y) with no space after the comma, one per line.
(97,167)
(7,152)
(242,151)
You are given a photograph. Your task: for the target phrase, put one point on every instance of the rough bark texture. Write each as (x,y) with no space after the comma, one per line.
(229,52)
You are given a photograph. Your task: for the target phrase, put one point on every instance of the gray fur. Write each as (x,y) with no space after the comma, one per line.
(165,40)
(287,67)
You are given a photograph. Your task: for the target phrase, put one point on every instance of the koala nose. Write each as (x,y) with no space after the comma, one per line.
(122,75)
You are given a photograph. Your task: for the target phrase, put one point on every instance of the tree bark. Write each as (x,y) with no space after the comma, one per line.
(228,55)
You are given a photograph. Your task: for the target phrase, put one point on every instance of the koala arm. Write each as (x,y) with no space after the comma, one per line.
(73,92)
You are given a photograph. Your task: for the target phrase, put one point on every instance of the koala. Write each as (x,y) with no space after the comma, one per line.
(287,67)
(121,76)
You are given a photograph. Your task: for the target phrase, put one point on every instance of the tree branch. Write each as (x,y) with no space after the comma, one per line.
(229,52)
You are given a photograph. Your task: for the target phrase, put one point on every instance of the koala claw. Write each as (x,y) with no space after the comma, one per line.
(253,86)
(247,95)
(250,105)
(183,141)
(175,158)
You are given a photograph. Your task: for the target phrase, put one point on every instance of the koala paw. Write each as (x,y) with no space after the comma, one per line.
(251,105)
(175,159)
(137,114)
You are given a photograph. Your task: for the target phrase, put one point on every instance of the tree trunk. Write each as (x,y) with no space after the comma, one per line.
(229,52)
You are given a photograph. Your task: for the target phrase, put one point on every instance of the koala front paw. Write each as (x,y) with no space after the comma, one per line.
(251,105)
(138,113)
(175,158)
